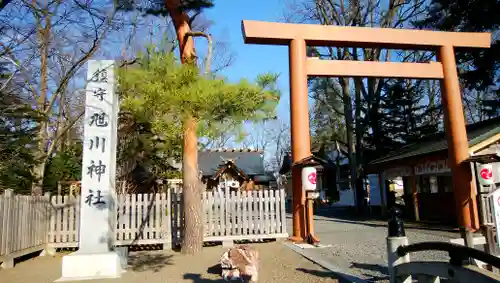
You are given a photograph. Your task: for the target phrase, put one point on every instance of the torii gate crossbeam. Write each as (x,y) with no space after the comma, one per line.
(299,36)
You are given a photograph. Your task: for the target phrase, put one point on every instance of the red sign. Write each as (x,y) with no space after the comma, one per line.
(486,173)
(312,178)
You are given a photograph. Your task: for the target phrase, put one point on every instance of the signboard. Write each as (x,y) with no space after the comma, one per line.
(309,178)
(485,174)
(398,172)
(496,210)
(432,167)
(97,209)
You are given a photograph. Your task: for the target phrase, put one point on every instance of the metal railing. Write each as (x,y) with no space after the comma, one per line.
(458,269)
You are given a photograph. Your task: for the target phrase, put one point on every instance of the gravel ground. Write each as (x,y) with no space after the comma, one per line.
(278,264)
(359,247)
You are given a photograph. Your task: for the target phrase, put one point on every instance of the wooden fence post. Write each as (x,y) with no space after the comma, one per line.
(8,227)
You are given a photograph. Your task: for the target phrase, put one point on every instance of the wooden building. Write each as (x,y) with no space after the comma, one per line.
(326,177)
(428,191)
(238,169)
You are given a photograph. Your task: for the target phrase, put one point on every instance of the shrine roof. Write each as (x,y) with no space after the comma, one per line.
(476,134)
(250,161)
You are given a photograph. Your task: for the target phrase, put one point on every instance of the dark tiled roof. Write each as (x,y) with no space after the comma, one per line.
(476,133)
(249,161)
(286,165)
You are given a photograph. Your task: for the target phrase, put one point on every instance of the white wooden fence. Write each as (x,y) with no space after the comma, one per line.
(23,228)
(29,224)
(239,216)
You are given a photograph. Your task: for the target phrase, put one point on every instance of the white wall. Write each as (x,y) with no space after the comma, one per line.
(347,197)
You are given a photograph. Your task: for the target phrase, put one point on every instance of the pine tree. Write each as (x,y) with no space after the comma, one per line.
(404,116)
(179,11)
(17,135)
(166,94)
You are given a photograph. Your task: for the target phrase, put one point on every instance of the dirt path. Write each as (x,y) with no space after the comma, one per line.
(278,264)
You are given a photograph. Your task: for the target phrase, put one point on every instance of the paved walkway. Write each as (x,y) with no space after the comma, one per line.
(358,248)
(278,264)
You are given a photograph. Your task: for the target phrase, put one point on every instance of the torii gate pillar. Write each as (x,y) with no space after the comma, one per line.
(298,36)
(301,137)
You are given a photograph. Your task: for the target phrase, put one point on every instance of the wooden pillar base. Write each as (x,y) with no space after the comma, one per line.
(310,238)
(296,239)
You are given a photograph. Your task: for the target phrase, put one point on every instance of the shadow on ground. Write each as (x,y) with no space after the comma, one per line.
(155,262)
(194,277)
(215,269)
(342,215)
(373,268)
(323,274)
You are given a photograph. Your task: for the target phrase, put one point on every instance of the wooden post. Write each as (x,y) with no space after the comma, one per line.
(414,193)
(301,141)
(458,145)
(383,196)
(8,227)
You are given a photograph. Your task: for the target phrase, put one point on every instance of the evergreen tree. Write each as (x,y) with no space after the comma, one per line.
(164,94)
(17,135)
(404,115)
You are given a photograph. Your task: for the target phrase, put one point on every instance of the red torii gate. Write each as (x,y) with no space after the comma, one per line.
(299,36)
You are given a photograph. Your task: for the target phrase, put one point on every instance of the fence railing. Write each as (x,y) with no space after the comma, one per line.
(241,215)
(23,228)
(460,268)
(33,223)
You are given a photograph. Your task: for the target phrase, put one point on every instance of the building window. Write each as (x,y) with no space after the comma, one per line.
(407,186)
(445,184)
(423,184)
(433,184)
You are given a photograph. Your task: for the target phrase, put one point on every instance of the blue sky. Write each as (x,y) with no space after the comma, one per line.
(251,60)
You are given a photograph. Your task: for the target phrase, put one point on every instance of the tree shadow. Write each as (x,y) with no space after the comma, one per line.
(155,262)
(345,215)
(198,279)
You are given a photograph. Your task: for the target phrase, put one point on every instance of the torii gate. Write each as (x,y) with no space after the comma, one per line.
(299,36)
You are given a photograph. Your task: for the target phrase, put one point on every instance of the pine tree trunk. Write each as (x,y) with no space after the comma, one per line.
(192,241)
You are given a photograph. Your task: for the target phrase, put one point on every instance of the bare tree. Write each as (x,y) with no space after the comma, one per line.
(57,39)
(272,137)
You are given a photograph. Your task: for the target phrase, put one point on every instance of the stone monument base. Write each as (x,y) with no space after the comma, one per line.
(87,266)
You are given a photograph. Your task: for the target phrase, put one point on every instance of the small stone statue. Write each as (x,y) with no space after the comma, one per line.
(240,263)
(396,225)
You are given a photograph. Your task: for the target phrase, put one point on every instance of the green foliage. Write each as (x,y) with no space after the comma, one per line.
(162,92)
(16,161)
(17,137)
(66,165)
(403,117)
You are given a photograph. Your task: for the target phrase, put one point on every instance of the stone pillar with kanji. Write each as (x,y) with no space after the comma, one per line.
(96,257)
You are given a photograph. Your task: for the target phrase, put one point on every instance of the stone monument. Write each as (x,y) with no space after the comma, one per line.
(96,257)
